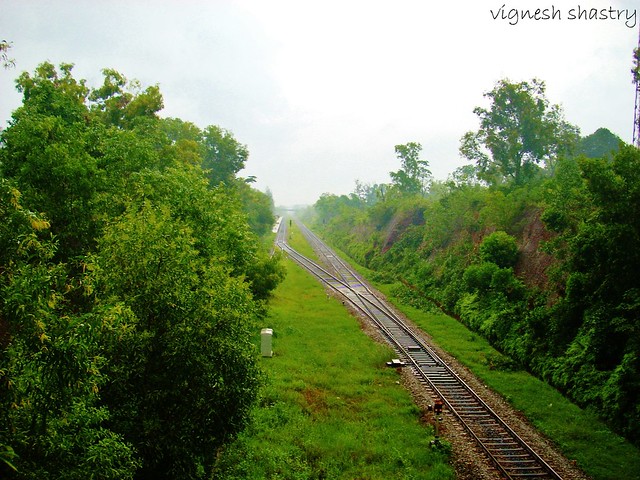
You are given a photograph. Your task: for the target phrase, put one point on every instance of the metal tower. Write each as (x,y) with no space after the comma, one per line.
(636,80)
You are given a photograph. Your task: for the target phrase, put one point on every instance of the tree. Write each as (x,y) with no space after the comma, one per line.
(123,103)
(258,207)
(129,286)
(185,381)
(185,140)
(518,132)
(51,368)
(601,143)
(53,92)
(500,248)
(596,318)
(223,155)
(413,177)
(464,176)
(46,154)
(368,194)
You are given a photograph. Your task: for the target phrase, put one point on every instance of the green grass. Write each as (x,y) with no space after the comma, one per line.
(330,407)
(297,241)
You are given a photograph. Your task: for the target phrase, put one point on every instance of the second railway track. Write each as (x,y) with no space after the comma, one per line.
(510,454)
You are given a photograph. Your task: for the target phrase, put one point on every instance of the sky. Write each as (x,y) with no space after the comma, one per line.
(320,92)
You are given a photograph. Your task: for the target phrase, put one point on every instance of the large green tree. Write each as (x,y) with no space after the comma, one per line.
(123,103)
(601,143)
(130,284)
(518,132)
(413,177)
(223,155)
(45,152)
(52,422)
(185,381)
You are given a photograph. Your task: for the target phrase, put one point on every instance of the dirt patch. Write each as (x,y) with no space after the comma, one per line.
(532,262)
(399,223)
(316,403)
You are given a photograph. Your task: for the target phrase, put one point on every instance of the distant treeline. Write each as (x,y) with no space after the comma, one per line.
(132,277)
(535,245)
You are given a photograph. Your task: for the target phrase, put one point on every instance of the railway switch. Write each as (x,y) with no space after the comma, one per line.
(492,434)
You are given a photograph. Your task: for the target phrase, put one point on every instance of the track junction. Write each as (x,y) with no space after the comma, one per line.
(510,454)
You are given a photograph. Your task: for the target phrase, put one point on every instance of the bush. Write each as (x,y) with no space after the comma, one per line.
(479,276)
(500,248)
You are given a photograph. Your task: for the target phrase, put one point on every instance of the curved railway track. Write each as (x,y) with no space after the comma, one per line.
(510,454)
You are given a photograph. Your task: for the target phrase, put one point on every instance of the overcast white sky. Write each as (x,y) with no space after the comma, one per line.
(322,91)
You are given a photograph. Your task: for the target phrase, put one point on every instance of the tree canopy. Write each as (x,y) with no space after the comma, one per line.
(131,284)
(601,143)
(412,178)
(518,132)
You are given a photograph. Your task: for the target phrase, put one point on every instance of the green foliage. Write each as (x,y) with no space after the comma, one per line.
(128,303)
(412,178)
(50,370)
(518,132)
(45,153)
(195,322)
(597,316)
(480,276)
(566,198)
(122,103)
(500,248)
(259,208)
(601,143)
(223,155)
(4,57)
(53,93)
(78,447)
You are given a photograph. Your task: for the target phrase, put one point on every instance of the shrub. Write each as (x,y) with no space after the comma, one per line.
(500,248)
(479,276)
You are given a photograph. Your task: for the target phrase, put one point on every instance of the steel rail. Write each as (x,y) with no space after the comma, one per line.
(508,451)
(548,472)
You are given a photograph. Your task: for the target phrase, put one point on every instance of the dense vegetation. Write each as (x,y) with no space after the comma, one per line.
(534,245)
(131,278)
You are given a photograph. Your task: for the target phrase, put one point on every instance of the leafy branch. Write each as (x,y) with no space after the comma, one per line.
(4,58)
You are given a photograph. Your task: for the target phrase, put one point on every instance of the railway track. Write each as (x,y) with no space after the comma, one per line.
(510,454)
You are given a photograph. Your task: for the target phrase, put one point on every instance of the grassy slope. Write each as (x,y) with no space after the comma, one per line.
(330,407)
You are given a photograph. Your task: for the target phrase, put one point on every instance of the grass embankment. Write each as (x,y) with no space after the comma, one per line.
(579,433)
(330,407)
